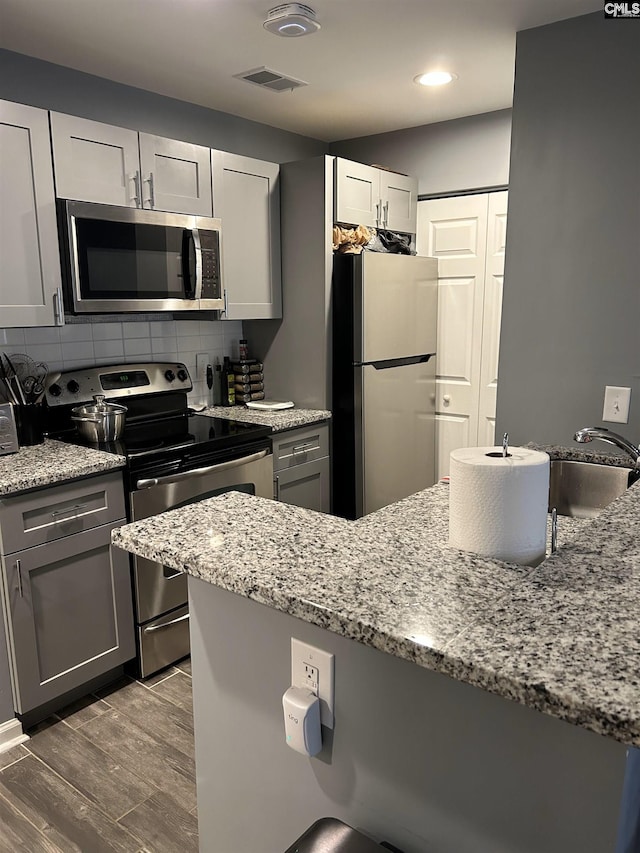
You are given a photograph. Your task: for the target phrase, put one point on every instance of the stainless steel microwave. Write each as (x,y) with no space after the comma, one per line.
(120,259)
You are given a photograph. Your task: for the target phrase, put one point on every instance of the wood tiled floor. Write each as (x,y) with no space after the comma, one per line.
(115,771)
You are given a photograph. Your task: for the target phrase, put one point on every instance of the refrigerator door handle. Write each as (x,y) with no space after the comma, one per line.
(400,362)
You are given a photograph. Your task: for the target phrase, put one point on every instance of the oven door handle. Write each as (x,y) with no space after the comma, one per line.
(199,472)
(152,628)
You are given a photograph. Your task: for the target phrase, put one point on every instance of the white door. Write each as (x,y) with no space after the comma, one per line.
(399,200)
(247,200)
(492,315)
(357,194)
(455,231)
(176,176)
(95,162)
(29,256)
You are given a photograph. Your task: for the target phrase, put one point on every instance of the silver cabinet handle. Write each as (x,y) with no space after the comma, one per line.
(135,178)
(19,572)
(303,448)
(554,530)
(58,310)
(152,628)
(72,509)
(385,220)
(378,213)
(151,200)
(199,472)
(226,306)
(276,488)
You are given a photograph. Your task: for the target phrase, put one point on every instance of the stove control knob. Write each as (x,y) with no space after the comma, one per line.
(55,390)
(183,375)
(169,375)
(73,386)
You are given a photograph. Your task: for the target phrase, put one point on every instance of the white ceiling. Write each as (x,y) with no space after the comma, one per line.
(360,66)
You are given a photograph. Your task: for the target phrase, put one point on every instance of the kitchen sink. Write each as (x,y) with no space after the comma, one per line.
(584,489)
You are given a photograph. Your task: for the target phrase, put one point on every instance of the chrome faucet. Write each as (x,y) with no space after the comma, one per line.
(589,433)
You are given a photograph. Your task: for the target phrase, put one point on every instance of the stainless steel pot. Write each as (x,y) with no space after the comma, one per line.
(99,421)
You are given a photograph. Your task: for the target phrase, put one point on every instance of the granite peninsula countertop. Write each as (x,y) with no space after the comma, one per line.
(52,462)
(279,421)
(562,638)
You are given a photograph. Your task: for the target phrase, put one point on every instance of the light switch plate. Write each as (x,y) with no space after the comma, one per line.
(616,404)
(312,668)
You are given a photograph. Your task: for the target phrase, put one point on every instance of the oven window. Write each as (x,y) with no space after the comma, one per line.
(125,260)
(247,488)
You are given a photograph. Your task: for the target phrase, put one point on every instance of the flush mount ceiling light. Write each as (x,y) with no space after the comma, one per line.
(435,78)
(291,20)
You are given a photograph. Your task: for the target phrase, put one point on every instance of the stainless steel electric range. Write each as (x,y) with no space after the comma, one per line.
(174,457)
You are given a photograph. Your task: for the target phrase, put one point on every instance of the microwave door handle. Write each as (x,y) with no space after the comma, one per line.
(191,272)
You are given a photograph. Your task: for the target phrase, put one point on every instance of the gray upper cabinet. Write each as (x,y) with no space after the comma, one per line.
(366,195)
(100,163)
(30,282)
(247,200)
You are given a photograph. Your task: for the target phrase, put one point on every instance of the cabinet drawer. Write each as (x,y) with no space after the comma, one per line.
(298,446)
(57,511)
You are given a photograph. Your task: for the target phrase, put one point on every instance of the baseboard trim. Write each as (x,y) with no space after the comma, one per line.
(11,735)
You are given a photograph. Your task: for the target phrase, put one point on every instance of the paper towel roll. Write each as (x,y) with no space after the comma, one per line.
(498,506)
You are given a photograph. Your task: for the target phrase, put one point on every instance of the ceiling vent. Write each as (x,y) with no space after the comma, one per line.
(291,20)
(266,78)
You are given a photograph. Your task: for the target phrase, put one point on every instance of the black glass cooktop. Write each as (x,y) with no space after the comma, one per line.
(175,440)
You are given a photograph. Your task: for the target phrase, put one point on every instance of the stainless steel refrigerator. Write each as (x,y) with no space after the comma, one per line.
(384,309)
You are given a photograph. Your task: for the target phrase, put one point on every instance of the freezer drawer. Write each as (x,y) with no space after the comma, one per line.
(395,306)
(395,438)
(163,641)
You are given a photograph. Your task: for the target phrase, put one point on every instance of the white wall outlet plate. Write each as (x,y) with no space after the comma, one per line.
(616,404)
(202,360)
(312,668)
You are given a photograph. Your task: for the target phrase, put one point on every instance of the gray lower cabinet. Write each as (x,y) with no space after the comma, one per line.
(67,601)
(301,467)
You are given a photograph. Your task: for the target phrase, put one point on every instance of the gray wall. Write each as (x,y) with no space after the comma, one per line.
(53,87)
(467,153)
(572,290)
(415,758)
(296,349)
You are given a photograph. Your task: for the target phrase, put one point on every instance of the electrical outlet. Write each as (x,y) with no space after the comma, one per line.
(312,669)
(616,404)
(202,360)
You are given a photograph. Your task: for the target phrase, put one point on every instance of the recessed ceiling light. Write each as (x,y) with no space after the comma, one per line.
(291,20)
(435,78)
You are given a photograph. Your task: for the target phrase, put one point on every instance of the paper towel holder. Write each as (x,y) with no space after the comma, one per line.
(505,449)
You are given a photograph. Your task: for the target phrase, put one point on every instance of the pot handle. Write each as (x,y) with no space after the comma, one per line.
(87,420)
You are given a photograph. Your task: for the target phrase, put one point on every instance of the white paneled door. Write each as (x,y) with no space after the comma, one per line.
(467,236)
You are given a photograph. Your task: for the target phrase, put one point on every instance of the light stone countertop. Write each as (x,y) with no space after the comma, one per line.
(278,421)
(52,462)
(562,638)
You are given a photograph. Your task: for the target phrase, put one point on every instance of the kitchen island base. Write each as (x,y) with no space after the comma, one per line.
(416,758)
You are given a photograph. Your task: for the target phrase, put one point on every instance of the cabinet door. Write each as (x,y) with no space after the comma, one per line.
(176,176)
(399,200)
(306,485)
(95,162)
(357,194)
(70,614)
(30,278)
(247,200)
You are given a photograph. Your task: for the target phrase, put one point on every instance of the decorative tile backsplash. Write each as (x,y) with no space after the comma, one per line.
(79,344)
